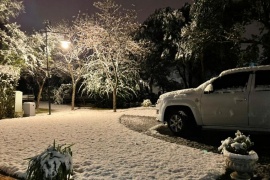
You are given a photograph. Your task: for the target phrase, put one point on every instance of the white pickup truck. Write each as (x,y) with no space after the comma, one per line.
(237,99)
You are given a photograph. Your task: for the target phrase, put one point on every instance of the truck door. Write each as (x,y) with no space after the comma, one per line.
(259,108)
(227,104)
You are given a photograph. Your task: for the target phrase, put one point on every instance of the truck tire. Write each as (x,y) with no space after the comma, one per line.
(180,121)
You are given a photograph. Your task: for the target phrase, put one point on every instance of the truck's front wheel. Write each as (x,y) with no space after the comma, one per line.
(179,121)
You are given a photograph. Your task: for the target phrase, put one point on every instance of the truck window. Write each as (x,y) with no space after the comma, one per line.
(262,80)
(231,83)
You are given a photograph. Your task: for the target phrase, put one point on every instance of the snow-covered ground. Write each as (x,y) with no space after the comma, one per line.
(104,148)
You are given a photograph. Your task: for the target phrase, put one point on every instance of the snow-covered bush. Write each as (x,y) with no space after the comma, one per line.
(146,103)
(55,163)
(8,83)
(241,144)
(62,92)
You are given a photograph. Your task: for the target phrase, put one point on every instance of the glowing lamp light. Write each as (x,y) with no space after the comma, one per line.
(65,44)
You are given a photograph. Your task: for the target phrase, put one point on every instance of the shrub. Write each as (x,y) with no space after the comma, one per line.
(55,163)
(63,91)
(146,103)
(8,83)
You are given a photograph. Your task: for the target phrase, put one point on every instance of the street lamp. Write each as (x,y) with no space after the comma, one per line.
(65,45)
(47,23)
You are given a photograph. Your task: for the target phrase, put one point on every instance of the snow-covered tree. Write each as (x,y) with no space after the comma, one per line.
(9,9)
(12,39)
(112,67)
(13,42)
(211,40)
(35,66)
(162,30)
(258,49)
(70,59)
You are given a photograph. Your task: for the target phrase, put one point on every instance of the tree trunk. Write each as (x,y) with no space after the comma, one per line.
(151,85)
(183,75)
(74,82)
(73,95)
(190,74)
(114,99)
(39,92)
(202,66)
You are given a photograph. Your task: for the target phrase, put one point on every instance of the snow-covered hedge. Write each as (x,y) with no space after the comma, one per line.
(8,82)
(62,92)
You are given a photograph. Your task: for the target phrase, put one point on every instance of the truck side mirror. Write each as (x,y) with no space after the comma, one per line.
(208,89)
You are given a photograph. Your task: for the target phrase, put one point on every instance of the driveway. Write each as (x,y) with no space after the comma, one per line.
(207,141)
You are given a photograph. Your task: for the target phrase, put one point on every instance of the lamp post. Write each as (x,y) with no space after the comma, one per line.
(65,45)
(48,68)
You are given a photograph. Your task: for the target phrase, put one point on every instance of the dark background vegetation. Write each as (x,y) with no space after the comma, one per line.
(189,45)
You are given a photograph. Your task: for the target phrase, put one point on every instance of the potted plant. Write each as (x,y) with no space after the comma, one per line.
(239,156)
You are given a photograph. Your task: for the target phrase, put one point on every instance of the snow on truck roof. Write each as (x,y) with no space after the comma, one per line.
(243,69)
(235,70)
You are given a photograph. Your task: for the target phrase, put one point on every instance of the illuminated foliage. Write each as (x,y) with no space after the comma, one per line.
(112,67)
(12,39)
(8,81)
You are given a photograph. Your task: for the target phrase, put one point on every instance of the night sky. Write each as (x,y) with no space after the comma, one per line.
(37,11)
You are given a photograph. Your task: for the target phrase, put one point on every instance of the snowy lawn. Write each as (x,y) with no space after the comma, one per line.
(104,148)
